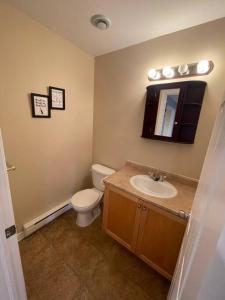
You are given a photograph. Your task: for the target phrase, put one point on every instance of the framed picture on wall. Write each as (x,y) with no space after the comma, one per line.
(40,106)
(57,97)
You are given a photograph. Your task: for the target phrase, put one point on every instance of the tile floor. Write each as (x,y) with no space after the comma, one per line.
(62,261)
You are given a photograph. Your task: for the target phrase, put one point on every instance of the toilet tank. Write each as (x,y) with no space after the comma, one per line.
(99,172)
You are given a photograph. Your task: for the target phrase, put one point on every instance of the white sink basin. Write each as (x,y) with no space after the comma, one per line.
(146,185)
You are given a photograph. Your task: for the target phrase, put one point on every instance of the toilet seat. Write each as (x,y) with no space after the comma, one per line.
(86,199)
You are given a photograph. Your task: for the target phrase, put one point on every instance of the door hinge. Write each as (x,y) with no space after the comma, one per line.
(10,231)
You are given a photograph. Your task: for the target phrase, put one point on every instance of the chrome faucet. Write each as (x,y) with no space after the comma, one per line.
(157,176)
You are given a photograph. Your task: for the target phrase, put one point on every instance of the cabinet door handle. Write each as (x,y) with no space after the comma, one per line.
(144,208)
(139,206)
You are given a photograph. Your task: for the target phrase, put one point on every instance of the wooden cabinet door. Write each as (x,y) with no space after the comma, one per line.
(159,240)
(121,217)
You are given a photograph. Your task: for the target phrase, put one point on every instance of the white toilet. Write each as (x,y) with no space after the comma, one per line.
(87,202)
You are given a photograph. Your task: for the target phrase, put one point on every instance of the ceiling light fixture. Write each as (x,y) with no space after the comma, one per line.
(100,22)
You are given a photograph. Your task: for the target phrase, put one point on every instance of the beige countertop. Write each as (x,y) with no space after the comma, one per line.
(186,188)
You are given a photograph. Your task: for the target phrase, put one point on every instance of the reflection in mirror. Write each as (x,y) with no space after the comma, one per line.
(166,113)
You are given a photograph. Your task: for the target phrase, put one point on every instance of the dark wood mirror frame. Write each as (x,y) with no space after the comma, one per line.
(187,111)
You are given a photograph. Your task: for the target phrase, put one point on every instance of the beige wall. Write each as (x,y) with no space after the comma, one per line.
(120,85)
(52,156)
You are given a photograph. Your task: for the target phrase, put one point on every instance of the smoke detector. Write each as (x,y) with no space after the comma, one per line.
(101,22)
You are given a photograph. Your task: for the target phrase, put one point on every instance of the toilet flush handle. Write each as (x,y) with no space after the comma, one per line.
(102,180)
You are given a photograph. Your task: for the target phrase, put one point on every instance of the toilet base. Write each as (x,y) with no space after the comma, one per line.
(85,219)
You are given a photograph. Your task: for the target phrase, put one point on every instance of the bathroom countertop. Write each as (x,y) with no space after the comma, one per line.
(186,187)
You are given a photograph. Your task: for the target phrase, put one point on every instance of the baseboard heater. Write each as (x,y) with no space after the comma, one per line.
(45,218)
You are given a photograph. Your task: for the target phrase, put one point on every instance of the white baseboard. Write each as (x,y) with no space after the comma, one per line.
(20,236)
(43,219)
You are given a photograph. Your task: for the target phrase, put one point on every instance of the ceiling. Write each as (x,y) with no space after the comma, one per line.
(133,21)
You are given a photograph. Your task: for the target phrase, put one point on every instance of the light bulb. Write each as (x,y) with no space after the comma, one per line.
(168,72)
(153,74)
(203,66)
(183,69)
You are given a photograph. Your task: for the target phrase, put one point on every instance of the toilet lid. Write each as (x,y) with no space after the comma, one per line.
(85,198)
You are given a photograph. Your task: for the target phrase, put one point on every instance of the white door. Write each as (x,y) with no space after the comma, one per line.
(12,285)
(200,272)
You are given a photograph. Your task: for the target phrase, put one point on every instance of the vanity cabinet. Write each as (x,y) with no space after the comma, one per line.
(151,233)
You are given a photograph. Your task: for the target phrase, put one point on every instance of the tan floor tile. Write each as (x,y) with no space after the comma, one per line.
(70,217)
(139,273)
(34,297)
(84,261)
(63,261)
(59,282)
(36,263)
(55,229)
(134,292)
(68,243)
(102,241)
(106,281)
(32,244)
(83,293)
(31,294)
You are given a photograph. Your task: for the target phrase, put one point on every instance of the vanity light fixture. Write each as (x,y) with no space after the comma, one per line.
(154,74)
(168,72)
(203,67)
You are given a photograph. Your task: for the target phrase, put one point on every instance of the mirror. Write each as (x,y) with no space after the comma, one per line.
(168,100)
(172,111)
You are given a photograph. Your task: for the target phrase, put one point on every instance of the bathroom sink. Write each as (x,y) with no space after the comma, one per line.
(146,185)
